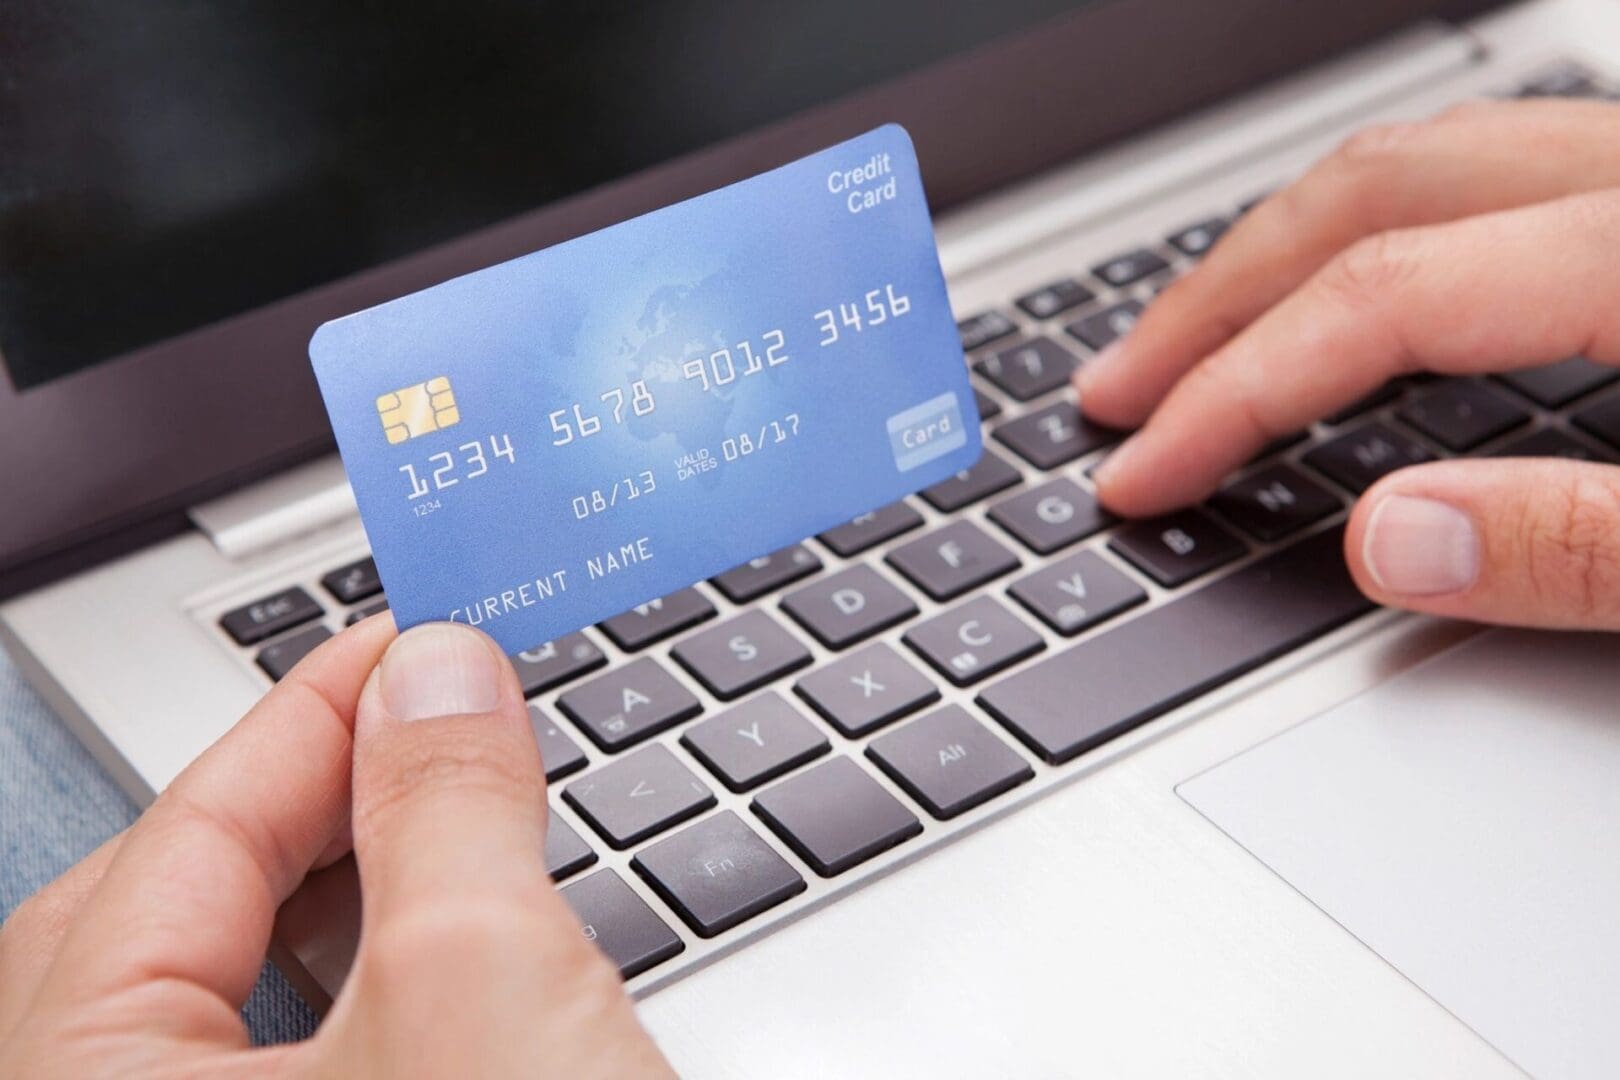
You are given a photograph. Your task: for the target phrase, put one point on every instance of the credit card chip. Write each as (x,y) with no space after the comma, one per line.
(418,410)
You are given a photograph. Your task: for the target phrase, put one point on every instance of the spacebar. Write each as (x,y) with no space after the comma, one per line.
(1104,686)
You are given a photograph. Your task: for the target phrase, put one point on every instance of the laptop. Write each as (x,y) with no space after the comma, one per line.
(1185,804)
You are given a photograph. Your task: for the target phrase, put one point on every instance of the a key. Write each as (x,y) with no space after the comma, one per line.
(756,741)
(767,573)
(980,330)
(353,583)
(1099,330)
(866,690)
(279,657)
(974,640)
(1055,298)
(985,477)
(835,816)
(1381,396)
(1053,436)
(949,762)
(1051,516)
(1129,268)
(566,851)
(848,607)
(1077,592)
(1553,442)
(253,623)
(657,619)
(628,704)
(1028,369)
(717,873)
(376,607)
(952,559)
(1459,414)
(560,754)
(1601,420)
(741,654)
(871,529)
(1360,458)
(1099,688)
(1176,548)
(1274,502)
(988,409)
(555,662)
(1195,240)
(645,793)
(1556,385)
(621,924)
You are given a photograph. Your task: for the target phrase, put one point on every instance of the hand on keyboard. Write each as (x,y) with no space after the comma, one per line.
(1481,241)
(470,963)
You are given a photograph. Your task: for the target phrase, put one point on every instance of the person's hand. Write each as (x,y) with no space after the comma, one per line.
(1483,240)
(137,960)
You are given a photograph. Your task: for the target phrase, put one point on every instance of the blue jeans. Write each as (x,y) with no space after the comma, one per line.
(56,806)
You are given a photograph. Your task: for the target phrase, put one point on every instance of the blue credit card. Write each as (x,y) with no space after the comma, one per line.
(551,441)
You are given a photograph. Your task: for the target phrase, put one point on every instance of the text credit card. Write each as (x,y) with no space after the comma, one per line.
(551,441)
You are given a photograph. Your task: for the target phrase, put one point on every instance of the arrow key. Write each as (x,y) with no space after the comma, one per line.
(635,797)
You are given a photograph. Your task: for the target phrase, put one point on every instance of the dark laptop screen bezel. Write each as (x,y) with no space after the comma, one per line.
(108,458)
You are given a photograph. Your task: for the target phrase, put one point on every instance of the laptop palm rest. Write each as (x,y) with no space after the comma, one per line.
(1463,821)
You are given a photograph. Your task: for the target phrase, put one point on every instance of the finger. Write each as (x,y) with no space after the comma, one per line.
(1513,289)
(1472,160)
(1526,542)
(188,900)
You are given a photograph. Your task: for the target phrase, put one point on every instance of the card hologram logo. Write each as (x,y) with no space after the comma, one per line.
(418,410)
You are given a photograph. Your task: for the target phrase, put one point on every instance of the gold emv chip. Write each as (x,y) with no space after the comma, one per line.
(418,410)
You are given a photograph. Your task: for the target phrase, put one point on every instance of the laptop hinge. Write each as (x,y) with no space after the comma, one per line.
(288,505)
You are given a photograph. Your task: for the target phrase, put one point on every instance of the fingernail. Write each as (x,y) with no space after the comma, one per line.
(1107,468)
(440,669)
(1109,357)
(1420,547)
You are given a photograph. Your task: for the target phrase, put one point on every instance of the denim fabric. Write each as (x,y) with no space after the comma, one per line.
(57,805)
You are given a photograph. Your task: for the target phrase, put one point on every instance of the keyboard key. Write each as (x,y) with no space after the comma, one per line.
(980,330)
(628,704)
(952,559)
(1029,369)
(1552,442)
(1355,461)
(279,657)
(1381,396)
(717,873)
(1278,445)
(1099,330)
(1053,436)
(353,583)
(741,654)
(657,619)
(566,852)
(1099,688)
(556,662)
(949,762)
(973,641)
(756,741)
(252,623)
(1459,414)
(865,690)
(1601,420)
(988,409)
(1056,298)
(1051,516)
(376,607)
(767,573)
(1563,80)
(1129,268)
(848,607)
(621,924)
(1176,548)
(1556,385)
(560,754)
(986,476)
(1077,592)
(1274,502)
(835,816)
(871,529)
(1195,240)
(631,799)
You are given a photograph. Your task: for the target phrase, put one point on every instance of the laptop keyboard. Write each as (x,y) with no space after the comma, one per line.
(849,694)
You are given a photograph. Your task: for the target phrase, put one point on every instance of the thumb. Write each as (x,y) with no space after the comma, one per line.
(1530,542)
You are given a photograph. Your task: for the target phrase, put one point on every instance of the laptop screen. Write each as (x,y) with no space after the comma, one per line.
(166,164)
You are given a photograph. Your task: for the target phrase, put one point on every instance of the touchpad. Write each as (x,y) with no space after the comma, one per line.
(1463,820)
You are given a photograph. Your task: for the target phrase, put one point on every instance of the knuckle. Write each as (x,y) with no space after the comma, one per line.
(1596,215)
(1374,148)
(1371,269)
(465,763)
(1572,549)
(1471,109)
